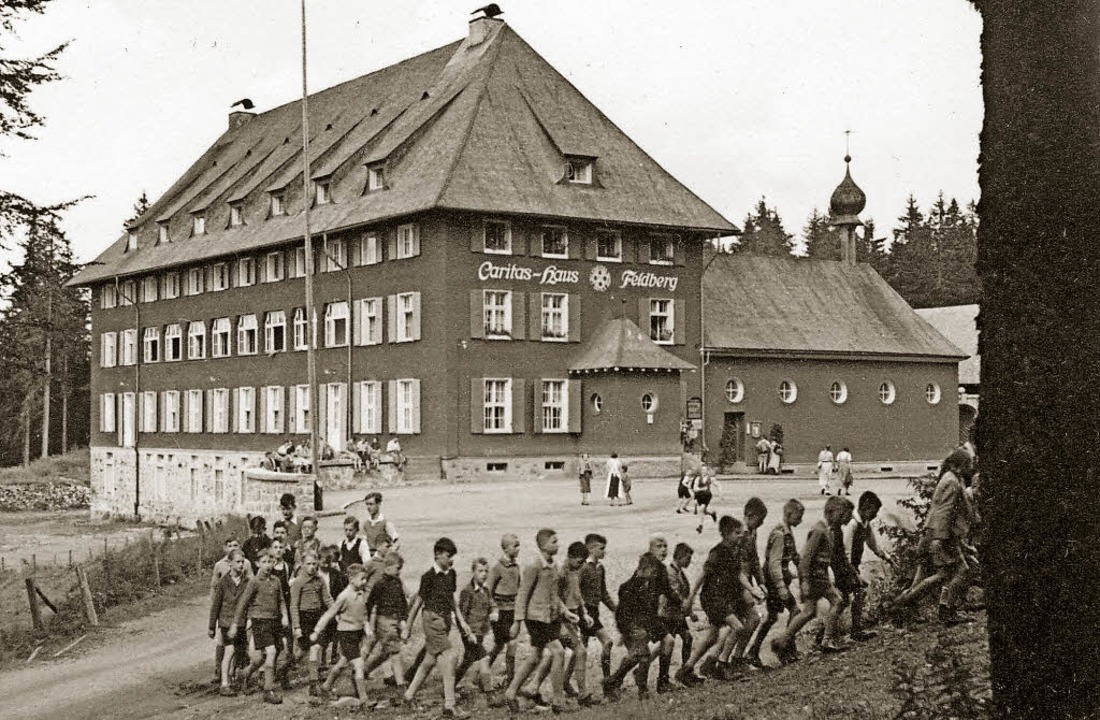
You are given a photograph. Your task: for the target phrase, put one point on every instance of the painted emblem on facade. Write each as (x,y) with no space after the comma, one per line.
(600,278)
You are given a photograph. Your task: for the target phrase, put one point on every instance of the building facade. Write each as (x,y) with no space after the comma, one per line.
(502,281)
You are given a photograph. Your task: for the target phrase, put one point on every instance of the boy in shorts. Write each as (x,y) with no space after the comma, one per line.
(585,474)
(503,585)
(593,579)
(781,553)
(227,593)
(624,480)
(388,608)
(721,588)
(350,611)
(221,567)
(704,496)
(677,617)
(813,575)
(309,599)
(755,513)
(860,536)
(539,608)
(353,548)
(263,606)
(476,605)
(436,598)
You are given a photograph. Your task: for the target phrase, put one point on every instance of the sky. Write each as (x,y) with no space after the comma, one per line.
(738,99)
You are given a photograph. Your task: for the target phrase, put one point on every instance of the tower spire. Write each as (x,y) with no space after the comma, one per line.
(845,205)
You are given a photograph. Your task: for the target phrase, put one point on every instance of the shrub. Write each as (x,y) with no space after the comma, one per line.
(904,539)
(945,685)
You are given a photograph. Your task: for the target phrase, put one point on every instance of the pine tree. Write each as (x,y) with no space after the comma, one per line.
(763,233)
(822,241)
(140,208)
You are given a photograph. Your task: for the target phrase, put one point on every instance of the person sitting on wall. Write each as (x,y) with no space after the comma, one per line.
(325,450)
(270,461)
(393,449)
(374,453)
(301,459)
(362,457)
(282,456)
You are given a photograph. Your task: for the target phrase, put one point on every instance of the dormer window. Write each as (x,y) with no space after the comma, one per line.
(278,204)
(235,217)
(322,193)
(198,224)
(662,249)
(131,240)
(498,237)
(162,233)
(578,170)
(376,178)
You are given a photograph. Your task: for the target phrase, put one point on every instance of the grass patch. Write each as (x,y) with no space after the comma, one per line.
(72,467)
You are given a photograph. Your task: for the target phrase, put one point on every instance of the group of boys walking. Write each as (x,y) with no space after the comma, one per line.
(299,589)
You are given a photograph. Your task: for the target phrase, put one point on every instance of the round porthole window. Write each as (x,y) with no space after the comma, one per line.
(838,392)
(788,391)
(887,393)
(597,403)
(932,393)
(735,390)
(649,403)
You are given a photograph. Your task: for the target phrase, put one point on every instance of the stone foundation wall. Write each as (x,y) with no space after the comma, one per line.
(460,470)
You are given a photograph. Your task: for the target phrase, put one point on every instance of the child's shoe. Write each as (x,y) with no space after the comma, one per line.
(315,689)
(272,698)
(610,690)
(754,661)
(226,691)
(643,694)
(862,635)
(663,686)
(456,713)
(687,678)
(948,616)
(588,700)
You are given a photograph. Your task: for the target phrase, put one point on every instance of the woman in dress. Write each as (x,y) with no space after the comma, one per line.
(775,457)
(614,479)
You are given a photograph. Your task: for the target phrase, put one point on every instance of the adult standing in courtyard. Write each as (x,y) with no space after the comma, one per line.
(614,479)
(825,462)
(844,471)
(775,457)
(763,452)
(377,530)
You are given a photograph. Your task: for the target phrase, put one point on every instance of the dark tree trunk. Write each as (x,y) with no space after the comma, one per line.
(1039,430)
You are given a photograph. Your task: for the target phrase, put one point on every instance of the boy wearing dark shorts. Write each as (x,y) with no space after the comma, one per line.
(677,617)
(813,575)
(476,605)
(585,474)
(593,577)
(223,606)
(309,598)
(503,586)
(539,608)
(781,553)
(350,611)
(858,537)
(264,608)
(388,609)
(436,598)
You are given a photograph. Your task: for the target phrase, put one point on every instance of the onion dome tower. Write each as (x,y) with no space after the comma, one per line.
(845,206)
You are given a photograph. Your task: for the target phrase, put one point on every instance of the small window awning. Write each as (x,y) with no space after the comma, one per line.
(619,344)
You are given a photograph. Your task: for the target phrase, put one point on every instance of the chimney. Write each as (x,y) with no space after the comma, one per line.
(481,26)
(239,117)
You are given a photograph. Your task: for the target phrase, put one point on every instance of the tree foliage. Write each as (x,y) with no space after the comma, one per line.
(763,233)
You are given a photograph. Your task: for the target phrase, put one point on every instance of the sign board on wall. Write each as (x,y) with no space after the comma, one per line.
(599,278)
(694,408)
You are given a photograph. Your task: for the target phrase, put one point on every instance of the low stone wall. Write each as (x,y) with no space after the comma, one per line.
(263,488)
(523,469)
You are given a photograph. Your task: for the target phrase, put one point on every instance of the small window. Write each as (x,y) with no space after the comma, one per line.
(196,340)
(246,335)
(498,237)
(246,272)
(129,347)
(597,403)
(408,319)
(173,343)
(235,217)
(408,241)
(198,224)
(649,403)
(336,254)
(219,277)
(301,329)
(151,345)
(496,467)
(788,391)
(127,292)
(195,281)
(376,178)
(838,392)
(662,249)
(162,233)
(497,404)
(609,246)
(275,332)
(555,242)
(220,337)
(336,324)
(555,406)
(370,250)
(273,267)
(735,390)
(149,288)
(108,297)
(932,393)
(579,171)
(661,321)
(555,316)
(108,352)
(278,204)
(131,240)
(171,285)
(322,195)
(554,465)
(300,261)
(887,393)
(498,314)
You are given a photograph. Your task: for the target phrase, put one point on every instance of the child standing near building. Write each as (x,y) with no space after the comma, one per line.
(350,611)
(625,480)
(781,554)
(264,608)
(504,578)
(813,574)
(585,474)
(704,495)
(476,605)
(388,608)
(539,608)
(593,579)
(309,599)
(223,606)
(436,598)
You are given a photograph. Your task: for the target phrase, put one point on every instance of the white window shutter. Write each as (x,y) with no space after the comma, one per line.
(415,406)
(322,411)
(416,243)
(280,397)
(357,407)
(357,317)
(391,318)
(261,417)
(209,411)
(391,414)
(416,317)
(292,407)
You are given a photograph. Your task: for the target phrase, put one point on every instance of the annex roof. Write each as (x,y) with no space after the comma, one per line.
(483,125)
(959,324)
(619,344)
(767,305)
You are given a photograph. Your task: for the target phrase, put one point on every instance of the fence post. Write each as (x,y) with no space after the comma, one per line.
(70,558)
(34,563)
(32,599)
(106,565)
(156,560)
(86,592)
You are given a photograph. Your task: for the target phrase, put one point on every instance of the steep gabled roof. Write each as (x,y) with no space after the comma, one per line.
(483,125)
(619,344)
(763,305)
(959,324)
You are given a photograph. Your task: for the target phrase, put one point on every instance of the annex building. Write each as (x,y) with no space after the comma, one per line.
(503,280)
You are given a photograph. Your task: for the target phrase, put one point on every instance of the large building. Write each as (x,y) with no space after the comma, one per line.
(959,324)
(504,280)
